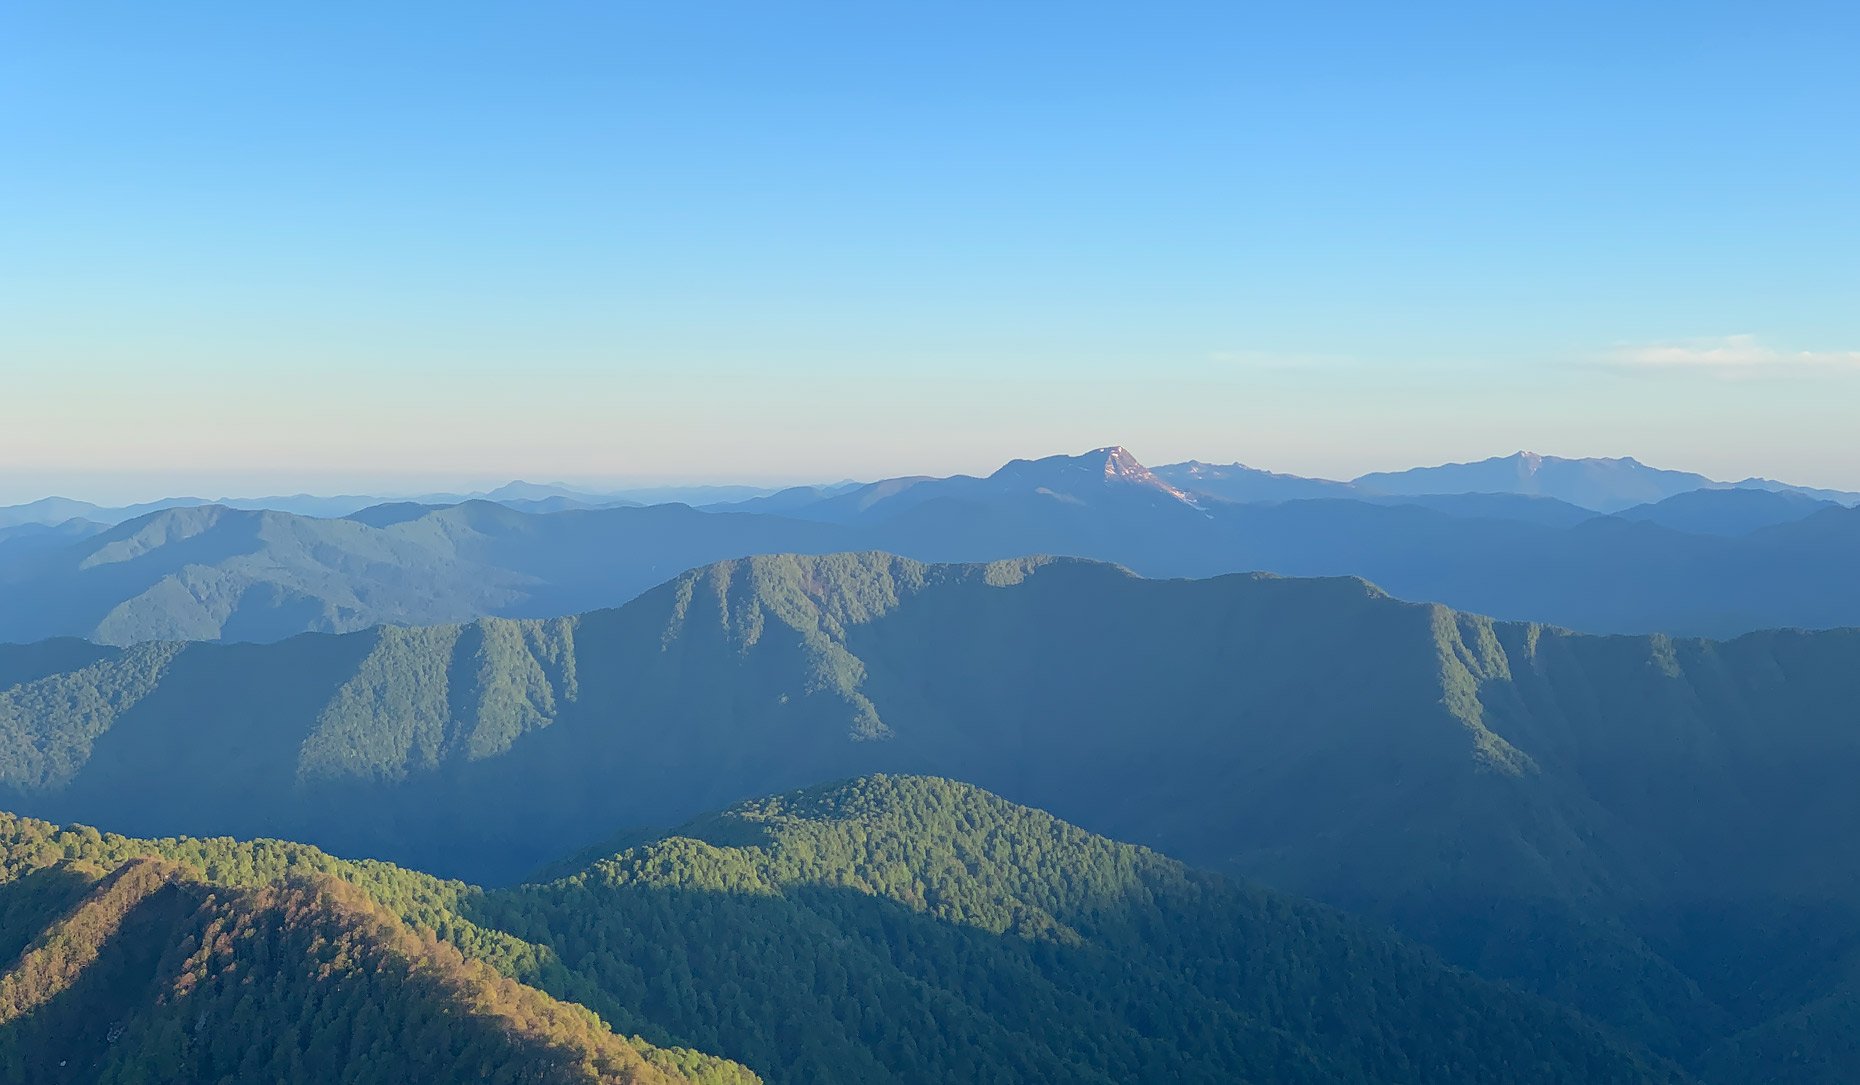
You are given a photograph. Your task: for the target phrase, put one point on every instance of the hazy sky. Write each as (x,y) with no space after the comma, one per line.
(246,247)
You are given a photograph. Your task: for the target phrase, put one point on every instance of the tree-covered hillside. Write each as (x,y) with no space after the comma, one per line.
(1658,831)
(919,930)
(147,973)
(884,930)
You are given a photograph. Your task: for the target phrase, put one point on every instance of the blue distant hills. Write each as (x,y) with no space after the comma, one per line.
(1698,558)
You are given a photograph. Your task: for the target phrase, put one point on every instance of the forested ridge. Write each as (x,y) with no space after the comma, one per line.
(1656,831)
(887,929)
(916,929)
(149,973)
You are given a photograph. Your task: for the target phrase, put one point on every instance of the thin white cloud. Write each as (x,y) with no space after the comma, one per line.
(1733,356)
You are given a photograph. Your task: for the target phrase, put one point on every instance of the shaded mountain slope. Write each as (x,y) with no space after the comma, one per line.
(1605,574)
(1633,825)
(1545,511)
(1727,511)
(213,573)
(21,540)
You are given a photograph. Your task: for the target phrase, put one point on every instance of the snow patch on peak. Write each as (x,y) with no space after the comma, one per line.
(1111,466)
(1121,467)
(1119,463)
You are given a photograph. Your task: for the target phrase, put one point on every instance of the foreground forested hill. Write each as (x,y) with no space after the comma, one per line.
(1658,831)
(884,930)
(148,973)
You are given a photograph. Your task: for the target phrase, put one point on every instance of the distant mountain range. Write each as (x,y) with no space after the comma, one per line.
(1654,831)
(523,496)
(1597,485)
(1605,485)
(1712,562)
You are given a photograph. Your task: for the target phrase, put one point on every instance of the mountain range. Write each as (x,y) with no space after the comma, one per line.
(1593,484)
(519,495)
(1707,562)
(1655,832)
(1602,484)
(1598,484)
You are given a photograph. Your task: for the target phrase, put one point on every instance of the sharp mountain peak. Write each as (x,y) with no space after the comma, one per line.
(1112,464)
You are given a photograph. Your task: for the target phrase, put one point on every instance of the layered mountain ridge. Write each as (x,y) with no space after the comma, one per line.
(1708,562)
(1604,484)
(1614,822)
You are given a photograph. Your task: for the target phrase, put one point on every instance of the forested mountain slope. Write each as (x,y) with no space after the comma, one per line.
(848,919)
(147,973)
(884,930)
(1660,831)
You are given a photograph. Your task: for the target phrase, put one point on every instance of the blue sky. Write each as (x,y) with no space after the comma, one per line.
(340,246)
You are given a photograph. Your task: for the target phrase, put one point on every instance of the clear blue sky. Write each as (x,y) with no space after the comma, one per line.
(250,247)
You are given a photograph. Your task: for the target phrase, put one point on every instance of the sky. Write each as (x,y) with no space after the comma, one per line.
(337,247)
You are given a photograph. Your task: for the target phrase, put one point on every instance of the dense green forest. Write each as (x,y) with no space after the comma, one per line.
(887,929)
(1657,831)
(914,929)
(148,973)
